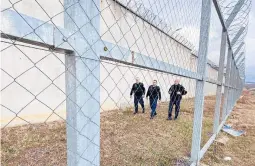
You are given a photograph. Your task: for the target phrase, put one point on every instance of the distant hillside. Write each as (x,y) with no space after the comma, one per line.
(250,85)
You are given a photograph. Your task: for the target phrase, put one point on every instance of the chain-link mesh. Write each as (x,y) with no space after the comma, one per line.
(65,63)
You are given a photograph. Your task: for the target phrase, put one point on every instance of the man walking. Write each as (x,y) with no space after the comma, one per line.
(176,91)
(154,95)
(139,92)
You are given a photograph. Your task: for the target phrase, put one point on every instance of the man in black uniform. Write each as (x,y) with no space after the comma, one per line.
(155,95)
(176,91)
(139,92)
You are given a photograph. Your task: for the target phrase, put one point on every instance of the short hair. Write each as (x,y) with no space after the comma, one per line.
(155,80)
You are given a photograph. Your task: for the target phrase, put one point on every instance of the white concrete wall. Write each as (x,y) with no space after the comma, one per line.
(44,10)
(210,89)
(39,84)
(119,26)
(115,89)
(212,73)
(45,70)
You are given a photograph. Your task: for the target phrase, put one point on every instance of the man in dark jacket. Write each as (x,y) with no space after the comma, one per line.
(139,92)
(176,91)
(154,94)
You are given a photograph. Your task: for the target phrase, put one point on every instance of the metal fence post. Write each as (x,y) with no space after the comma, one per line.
(201,69)
(83,83)
(230,58)
(232,84)
(236,84)
(230,87)
(220,80)
(226,89)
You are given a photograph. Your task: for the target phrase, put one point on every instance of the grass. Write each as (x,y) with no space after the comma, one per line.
(240,149)
(40,144)
(139,141)
(126,139)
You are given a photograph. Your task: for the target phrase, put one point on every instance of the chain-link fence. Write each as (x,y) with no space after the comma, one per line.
(65,63)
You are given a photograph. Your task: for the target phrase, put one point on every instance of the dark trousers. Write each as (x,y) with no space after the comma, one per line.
(138,99)
(177,107)
(153,105)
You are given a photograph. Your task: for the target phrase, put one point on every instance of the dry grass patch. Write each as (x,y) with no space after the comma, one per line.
(240,149)
(128,139)
(38,144)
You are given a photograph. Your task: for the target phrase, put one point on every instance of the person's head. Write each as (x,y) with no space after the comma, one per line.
(176,82)
(155,82)
(137,80)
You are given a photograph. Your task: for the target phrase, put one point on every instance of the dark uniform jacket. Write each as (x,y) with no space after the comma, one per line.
(153,92)
(173,92)
(138,89)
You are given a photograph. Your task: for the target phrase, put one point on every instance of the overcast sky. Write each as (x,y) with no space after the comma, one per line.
(215,37)
(250,47)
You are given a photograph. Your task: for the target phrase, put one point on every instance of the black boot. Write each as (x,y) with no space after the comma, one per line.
(169,118)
